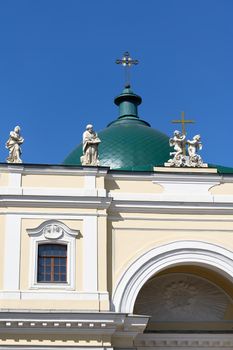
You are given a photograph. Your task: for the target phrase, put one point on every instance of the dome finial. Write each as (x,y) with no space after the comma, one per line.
(127,62)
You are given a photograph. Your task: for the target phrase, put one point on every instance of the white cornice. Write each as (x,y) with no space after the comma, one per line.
(67,321)
(171,207)
(54,201)
(53,170)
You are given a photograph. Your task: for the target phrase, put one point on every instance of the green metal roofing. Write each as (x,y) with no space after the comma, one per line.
(129,143)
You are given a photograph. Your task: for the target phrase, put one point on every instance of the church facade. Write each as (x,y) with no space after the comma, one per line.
(146,258)
(120,252)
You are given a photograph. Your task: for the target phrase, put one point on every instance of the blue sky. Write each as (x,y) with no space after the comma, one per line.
(58,71)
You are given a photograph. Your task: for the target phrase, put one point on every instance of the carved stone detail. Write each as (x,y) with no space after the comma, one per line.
(180,297)
(91,142)
(180,159)
(52,229)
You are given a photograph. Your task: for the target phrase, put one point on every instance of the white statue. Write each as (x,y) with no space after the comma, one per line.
(13,145)
(193,146)
(90,147)
(192,160)
(177,141)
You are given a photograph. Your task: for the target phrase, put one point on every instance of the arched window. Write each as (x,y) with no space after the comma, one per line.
(52,263)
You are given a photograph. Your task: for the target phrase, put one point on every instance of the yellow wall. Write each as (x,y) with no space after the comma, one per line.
(133,237)
(53,181)
(226,188)
(4,178)
(138,186)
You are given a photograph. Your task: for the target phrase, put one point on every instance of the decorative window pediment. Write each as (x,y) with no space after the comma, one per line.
(52,229)
(53,232)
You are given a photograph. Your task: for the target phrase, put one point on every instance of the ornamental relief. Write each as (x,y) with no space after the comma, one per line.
(53,230)
(180,297)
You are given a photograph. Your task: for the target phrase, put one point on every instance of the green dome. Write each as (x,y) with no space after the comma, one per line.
(128,143)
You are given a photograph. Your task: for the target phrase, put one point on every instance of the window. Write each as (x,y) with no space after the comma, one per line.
(52,263)
(52,256)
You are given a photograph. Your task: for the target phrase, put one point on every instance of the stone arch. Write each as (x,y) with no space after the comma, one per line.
(157,259)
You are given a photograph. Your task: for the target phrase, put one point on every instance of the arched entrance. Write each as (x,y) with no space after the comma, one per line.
(196,280)
(152,262)
(186,299)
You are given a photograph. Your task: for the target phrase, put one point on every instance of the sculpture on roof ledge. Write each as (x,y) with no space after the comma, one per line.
(180,159)
(13,145)
(91,142)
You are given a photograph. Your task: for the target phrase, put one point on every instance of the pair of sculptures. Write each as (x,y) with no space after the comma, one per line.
(180,159)
(90,146)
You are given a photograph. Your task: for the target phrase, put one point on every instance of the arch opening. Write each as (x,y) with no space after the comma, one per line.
(205,256)
(186,298)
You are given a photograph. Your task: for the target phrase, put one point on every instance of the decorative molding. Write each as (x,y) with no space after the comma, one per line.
(41,169)
(171,207)
(52,229)
(56,201)
(185,341)
(53,295)
(95,323)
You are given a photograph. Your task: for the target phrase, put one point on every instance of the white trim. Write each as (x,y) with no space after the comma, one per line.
(54,201)
(66,236)
(12,252)
(14,180)
(90,262)
(53,294)
(53,169)
(55,216)
(90,181)
(160,258)
(171,207)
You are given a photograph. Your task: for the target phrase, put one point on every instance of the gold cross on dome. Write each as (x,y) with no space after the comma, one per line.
(183,121)
(127,62)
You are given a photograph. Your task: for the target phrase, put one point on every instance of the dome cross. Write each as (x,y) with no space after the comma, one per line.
(127,62)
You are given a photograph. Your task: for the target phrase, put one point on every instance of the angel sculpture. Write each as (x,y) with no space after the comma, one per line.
(177,141)
(193,146)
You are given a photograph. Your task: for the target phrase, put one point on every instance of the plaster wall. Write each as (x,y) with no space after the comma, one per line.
(58,181)
(226,189)
(133,186)
(133,237)
(4,178)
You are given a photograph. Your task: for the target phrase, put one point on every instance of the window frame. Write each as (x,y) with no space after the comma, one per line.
(66,237)
(52,258)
